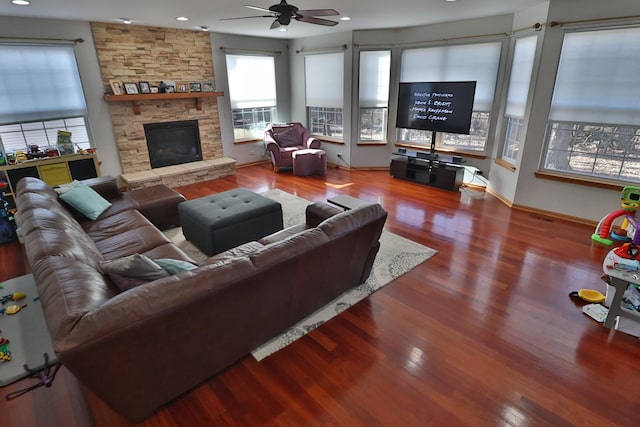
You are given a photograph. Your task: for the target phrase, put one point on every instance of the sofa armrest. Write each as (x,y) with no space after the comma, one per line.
(313,143)
(318,212)
(106,186)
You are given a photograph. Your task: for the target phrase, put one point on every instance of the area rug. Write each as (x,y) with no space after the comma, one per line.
(26,331)
(396,257)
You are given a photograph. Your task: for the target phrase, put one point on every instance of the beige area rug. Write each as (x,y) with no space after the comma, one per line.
(396,257)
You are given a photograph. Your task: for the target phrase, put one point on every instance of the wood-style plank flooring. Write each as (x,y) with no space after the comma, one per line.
(482,334)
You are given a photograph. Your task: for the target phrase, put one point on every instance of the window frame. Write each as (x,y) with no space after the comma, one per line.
(486,110)
(324,94)
(368,107)
(266,104)
(48,73)
(514,123)
(602,152)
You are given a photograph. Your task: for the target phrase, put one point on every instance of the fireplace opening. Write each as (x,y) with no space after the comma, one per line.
(173,143)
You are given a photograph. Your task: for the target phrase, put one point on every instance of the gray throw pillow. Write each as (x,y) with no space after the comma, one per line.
(136,265)
(174,266)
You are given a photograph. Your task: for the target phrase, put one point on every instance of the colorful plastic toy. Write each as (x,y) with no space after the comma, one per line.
(628,231)
(12,297)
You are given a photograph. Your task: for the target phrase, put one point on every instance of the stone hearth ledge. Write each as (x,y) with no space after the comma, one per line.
(177,175)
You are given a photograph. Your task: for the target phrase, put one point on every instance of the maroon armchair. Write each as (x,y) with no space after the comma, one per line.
(282,140)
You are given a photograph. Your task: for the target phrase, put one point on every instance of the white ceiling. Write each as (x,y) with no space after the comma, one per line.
(365,14)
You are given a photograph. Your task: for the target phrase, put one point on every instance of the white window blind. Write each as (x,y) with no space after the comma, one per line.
(598,79)
(472,62)
(519,82)
(324,79)
(252,81)
(375,68)
(39,83)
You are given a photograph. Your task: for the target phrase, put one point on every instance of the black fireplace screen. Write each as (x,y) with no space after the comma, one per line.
(173,143)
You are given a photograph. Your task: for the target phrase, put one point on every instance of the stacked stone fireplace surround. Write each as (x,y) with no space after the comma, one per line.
(137,53)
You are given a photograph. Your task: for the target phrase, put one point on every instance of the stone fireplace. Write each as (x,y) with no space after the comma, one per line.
(130,53)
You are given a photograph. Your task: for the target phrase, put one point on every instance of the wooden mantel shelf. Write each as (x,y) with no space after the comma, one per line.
(136,99)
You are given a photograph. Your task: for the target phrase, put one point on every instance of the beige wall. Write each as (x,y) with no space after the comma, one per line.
(137,53)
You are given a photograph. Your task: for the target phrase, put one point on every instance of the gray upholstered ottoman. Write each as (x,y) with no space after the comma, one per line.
(225,220)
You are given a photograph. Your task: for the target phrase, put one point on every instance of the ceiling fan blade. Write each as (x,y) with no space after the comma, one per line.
(318,21)
(319,12)
(275,24)
(246,17)
(261,9)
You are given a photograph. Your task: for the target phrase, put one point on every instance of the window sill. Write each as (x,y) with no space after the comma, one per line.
(572,179)
(328,140)
(505,164)
(371,143)
(248,141)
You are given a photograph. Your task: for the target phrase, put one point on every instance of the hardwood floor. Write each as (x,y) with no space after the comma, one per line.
(482,334)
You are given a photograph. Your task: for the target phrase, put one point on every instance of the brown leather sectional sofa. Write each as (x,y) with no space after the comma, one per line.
(141,348)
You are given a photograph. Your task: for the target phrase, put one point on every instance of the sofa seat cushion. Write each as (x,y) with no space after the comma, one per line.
(114,225)
(121,203)
(139,240)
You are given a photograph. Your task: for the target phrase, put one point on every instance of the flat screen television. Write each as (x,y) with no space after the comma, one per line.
(436,106)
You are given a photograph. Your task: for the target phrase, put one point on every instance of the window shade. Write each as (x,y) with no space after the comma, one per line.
(324,79)
(472,62)
(375,67)
(520,80)
(252,81)
(598,79)
(39,83)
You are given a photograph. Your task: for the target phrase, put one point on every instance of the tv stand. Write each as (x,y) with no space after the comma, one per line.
(428,168)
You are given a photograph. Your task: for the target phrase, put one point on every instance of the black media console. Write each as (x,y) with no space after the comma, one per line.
(427,168)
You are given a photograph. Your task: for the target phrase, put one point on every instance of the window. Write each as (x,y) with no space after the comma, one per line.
(594,121)
(324,83)
(19,136)
(375,68)
(40,93)
(472,62)
(252,91)
(518,92)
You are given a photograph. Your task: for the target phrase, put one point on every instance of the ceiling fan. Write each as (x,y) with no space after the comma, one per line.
(284,13)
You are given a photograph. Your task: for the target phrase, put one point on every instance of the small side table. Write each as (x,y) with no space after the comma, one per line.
(347,202)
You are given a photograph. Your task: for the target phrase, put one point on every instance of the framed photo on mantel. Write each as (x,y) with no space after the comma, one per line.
(131,88)
(144,87)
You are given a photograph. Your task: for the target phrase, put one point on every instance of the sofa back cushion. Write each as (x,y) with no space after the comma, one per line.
(68,290)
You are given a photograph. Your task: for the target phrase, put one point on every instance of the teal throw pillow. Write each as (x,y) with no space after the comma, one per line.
(85,200)
(174,266)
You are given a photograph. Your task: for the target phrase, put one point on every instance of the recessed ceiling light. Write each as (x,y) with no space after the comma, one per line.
(204,28)
(21,2)
(345,18)
(283,29)
(182,18)
(126,20)
(449,0)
